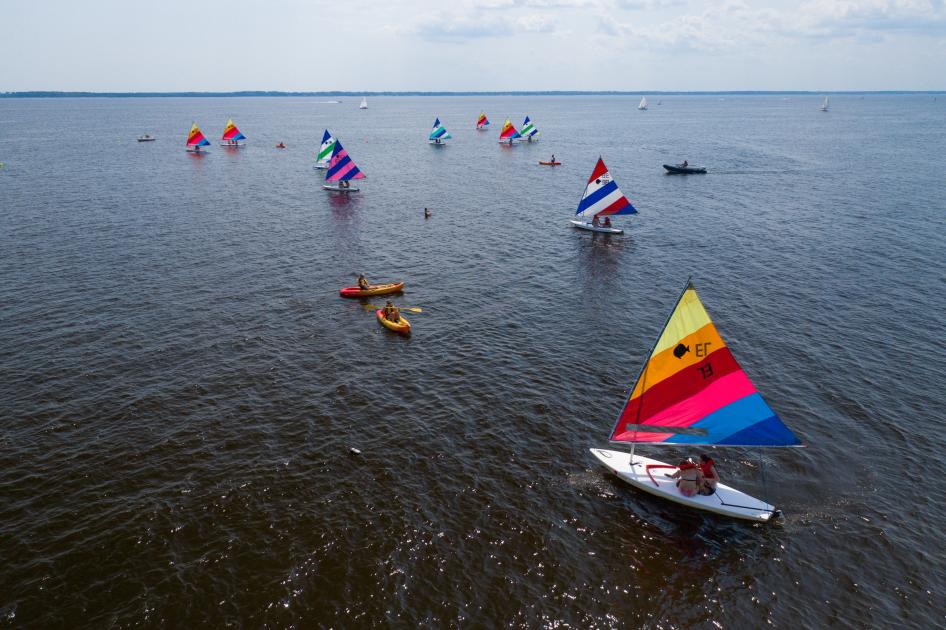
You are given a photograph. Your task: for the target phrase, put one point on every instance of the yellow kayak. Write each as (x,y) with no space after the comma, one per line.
(402,327)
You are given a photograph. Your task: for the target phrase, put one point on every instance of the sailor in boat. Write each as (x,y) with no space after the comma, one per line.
(607,222)
(595,222)
(710,476)
(426,213)
(344,183)
(689,478)
(391,312)
(685,164)
(363,282)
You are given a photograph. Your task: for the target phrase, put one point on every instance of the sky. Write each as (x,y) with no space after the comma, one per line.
(472,45)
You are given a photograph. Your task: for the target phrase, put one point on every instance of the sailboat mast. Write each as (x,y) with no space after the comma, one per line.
(642,375)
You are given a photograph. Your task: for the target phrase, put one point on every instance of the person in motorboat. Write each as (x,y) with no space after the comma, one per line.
(689,477)
(595,222)
(709,474)
(607,222)
(363,283)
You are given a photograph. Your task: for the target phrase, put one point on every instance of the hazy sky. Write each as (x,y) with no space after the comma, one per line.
(635,45)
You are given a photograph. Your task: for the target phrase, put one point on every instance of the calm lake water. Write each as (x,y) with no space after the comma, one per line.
(180,383)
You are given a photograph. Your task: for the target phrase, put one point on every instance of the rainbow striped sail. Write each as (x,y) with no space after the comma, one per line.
(325,150)
(232,135)
(602,197)
(439,133)
(692,391)
(529,132)
(509,133)
(482,122)
(195,138)
(341,168)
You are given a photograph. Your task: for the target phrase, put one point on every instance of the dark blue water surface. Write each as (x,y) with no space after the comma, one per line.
(180,383)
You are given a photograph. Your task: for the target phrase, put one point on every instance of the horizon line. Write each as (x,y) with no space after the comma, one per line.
(281,93)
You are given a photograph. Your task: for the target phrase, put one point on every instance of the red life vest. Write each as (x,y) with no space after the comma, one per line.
(707,468)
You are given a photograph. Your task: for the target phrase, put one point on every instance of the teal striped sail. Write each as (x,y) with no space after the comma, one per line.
(528,131)
(439,133)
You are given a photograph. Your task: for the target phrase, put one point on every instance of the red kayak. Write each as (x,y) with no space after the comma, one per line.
(374,289)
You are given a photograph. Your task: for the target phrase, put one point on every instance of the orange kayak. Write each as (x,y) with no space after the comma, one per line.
(374,289)
(402,327)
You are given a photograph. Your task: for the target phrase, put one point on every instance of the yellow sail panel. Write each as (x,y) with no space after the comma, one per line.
(687,318)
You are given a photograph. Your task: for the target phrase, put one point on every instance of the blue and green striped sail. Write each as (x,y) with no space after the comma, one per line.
(439,133)
(528,131)
(325,150)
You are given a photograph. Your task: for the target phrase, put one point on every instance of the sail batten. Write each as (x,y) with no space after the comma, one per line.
(693,391)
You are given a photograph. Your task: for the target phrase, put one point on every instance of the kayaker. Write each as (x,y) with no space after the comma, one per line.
(363,283)
(685,164)
(688,477)
(607,222)
(553,159)
(710,476)
(392,313)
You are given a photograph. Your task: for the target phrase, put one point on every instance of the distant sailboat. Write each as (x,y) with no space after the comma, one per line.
(509,133)
(341,170)
(231,135)
(325,151)
(529,132)
(692,392)
(643,103)
(660,102)
(602,198)
(364,103)
(195,140)
(438,134)
(482,122)
(824,105)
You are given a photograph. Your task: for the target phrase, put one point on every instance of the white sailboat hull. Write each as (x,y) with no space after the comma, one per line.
(320,166)
(339,188)
(726,501)
(583,225)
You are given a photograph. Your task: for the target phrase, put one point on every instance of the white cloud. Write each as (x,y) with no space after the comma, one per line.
(736,24)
